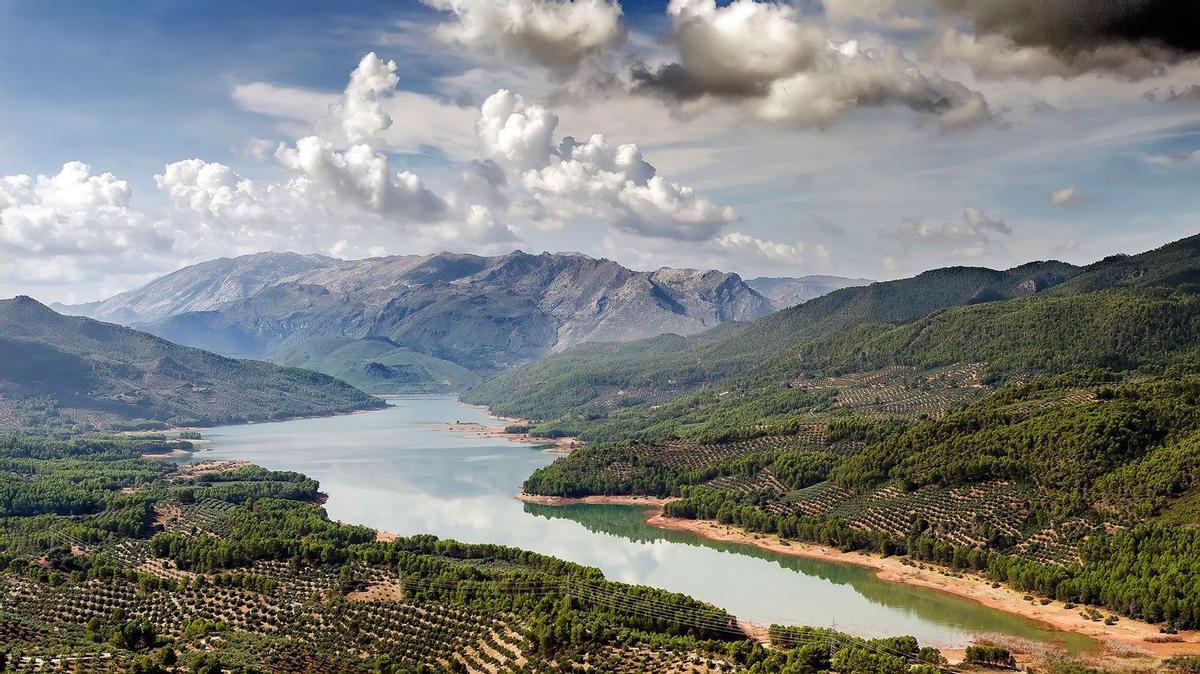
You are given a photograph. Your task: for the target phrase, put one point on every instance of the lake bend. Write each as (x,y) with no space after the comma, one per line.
(400,470)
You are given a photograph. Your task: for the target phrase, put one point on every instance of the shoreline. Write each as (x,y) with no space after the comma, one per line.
(481,430)
(201,429)
(1127,632)
(647,501)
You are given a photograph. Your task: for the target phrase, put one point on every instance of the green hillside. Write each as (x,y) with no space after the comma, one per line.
(1120,313)
(378,365)
(666,367)
(71,372)
(1050,441)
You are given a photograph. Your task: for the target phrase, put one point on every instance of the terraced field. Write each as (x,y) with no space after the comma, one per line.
(985,514)
(228,567)
(298,624)
(693,456)
(618,398)
(904,391)
(293,615)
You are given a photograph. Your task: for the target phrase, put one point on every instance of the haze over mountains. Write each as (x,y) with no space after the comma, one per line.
(434,321)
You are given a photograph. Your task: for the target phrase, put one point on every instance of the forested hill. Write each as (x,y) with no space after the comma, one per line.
(72,372)
(1118,313)
(665,367)
(1051,441)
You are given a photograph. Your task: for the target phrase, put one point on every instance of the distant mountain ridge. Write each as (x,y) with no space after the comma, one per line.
(222,281)
(787,292)
(662,369)
(433,321)
(1119,313)
(79,373)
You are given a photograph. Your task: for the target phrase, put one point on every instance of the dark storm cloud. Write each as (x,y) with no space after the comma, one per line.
(1069,26)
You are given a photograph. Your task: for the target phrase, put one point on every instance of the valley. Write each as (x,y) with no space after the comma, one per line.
(600,337)
(997,464)
(394,471)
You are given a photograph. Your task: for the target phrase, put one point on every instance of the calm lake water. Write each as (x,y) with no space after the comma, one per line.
(399,470)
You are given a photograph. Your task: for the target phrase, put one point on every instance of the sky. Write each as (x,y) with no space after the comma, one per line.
(862,138)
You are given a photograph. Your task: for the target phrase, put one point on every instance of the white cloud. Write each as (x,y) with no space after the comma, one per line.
(258,148)
(426,121)
(669,210)
(900,15)
(787,67)
(733,251)
(1071,195)
(557,34)
(796,256)
(479,226)
(346,204)
(595,178)
(744,46)
(338,197)
(74,212)
(358,117)
(1173,160)
(973,235)
(514,132)
(361,177)
(209,188)
(869,79)
(1064,196)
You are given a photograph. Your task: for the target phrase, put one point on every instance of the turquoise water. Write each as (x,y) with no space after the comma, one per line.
(399,470)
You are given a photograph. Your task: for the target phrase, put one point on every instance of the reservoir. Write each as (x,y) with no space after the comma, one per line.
(399,470)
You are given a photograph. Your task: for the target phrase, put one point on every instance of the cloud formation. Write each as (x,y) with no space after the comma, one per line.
(973,235)
(361,177)
(357,116)
(1173,160)
(731,250)
(896,15)
(1064,196)
(1071,195)
(74,212)
(788,68)
(595,178)
(557,34)
(1134,39)
(1073,25)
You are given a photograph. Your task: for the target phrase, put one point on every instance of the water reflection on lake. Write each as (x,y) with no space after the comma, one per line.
(399,471)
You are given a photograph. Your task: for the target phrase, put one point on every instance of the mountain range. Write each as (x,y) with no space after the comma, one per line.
(432,322)
(1118,313)
(785,291)
(77,373)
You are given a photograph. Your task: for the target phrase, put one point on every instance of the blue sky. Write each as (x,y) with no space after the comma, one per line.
(873,138)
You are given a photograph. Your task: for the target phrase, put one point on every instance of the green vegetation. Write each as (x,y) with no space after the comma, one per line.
(1067,486)
(377,365)
(992,656)
(112,562)
(70,373)
(1121,313)
(666,367)
(1076,481)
